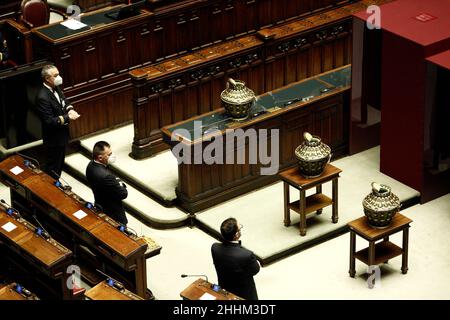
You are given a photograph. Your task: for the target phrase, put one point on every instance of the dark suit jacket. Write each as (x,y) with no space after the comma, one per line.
(235,267)
(108,192)
(55,132)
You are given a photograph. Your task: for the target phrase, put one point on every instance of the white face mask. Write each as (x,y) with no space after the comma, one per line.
(58,81)
(112,158)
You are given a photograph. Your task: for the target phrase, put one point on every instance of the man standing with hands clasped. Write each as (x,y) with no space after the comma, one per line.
(55,112)
(235,265)
(109,191)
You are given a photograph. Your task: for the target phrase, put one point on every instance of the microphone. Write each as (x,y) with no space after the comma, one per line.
(195,275)
(41,230)
(128,231)
(96,208)
(288,102)
(58,183)
(28,162)
(112,282)
(10,210)
(21,290)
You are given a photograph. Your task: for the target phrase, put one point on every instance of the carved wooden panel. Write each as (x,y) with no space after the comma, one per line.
(102,111)
(202,185)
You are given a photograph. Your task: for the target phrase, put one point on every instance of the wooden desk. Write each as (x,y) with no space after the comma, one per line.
(323,111)
(9,8)
(103,291)
(8,292)
(28,250)
(383,251)
(200,287)
(313,203)
(34,191)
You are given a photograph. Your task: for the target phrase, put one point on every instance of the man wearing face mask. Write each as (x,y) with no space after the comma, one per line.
(55,112)
(108,190)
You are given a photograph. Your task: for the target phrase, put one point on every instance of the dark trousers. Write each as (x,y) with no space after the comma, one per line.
(55,160)
(121,218)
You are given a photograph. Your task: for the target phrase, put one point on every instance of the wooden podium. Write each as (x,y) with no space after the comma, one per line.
(203,290)
(9,292)
(103,291)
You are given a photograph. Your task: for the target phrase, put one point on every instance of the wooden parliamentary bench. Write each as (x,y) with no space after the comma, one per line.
(40,261)
(12,292)
(201,289)
(107,291)
(66,214)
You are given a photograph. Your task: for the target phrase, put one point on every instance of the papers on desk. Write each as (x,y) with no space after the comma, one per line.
(8,227)
(73,24)
(16,170)
(207,296)
(80,214)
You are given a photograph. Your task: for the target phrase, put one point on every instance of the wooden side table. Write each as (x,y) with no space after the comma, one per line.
(383,251)
(313,203)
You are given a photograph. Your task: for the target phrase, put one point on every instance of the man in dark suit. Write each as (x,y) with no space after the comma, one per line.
(108,190)
(55,112)
(235,265)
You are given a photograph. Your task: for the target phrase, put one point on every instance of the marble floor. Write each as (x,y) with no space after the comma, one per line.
(320,272)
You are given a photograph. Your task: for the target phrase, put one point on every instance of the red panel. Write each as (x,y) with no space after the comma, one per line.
(399,17)
(402,110)
(441,59)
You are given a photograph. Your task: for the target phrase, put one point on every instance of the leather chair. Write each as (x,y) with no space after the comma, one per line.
(35,13)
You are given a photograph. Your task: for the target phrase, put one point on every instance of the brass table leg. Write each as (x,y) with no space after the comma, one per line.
(302,213)
(352,270)
(287,216)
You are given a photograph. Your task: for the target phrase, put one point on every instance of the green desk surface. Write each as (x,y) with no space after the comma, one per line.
(282,98)
(58,31)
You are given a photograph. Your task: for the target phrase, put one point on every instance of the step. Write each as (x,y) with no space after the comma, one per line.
(156,176)
(136,204)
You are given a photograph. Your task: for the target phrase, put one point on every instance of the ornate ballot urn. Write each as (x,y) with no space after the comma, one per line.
(313,155)
(237,99)
(380,206)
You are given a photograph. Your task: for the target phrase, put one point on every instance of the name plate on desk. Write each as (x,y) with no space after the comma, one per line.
(8,227)
(73,24)
(80,214)
(16,170)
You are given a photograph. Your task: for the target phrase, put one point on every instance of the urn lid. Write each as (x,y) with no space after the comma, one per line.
(237,93)
(381,190)
(381,197)
(312,148)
